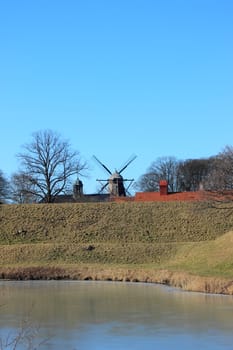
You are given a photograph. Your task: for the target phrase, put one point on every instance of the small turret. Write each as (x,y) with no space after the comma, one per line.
(78,189)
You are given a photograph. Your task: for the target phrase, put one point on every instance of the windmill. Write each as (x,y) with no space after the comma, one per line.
(115,183)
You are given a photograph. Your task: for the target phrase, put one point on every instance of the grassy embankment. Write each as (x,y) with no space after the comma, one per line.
(189,245)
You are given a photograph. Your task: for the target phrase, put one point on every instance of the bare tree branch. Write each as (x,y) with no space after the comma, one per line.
(4,188)
(49,162)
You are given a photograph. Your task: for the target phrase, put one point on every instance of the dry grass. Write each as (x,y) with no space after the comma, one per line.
(211,258)
(103,253)
(113,222)
(97,272)
(59,241)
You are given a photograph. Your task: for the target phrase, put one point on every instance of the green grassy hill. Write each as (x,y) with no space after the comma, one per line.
(179,236)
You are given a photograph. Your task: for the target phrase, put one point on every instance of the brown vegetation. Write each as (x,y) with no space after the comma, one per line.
(182,280)
(170,243)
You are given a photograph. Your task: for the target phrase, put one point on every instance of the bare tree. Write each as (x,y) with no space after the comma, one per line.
(187,175)
(23,188)
(164,168)
(49,163)
(26,337)
(193,173)
(221,174)
(4,187)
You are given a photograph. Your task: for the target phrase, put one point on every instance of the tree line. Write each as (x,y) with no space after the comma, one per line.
(211,174)
(47,164)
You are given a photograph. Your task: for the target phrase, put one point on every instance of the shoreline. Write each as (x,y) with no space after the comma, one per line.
(182,280)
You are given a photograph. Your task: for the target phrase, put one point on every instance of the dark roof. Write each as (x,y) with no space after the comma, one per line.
(66,198)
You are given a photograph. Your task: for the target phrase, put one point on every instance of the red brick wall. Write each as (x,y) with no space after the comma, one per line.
(155,196)
(181,196)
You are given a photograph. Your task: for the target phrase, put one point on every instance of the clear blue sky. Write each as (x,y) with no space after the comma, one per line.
(117,77)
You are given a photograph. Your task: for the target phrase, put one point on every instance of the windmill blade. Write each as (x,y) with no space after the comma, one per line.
(131,159)
(127,189)
(103,187)
(104,166)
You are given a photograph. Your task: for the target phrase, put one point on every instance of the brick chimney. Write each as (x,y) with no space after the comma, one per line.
(163,187)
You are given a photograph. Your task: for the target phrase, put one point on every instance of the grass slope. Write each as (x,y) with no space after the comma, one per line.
(190,237)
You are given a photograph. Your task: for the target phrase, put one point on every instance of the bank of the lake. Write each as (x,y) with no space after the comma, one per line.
(187,245)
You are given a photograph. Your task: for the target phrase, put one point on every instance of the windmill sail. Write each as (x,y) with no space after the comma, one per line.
(115,183)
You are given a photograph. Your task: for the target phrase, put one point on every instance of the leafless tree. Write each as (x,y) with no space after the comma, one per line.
(49,163)
(221,174)
(26,337)
(187,175)
(193,173)
(164,168)
(23,188)
(4,187)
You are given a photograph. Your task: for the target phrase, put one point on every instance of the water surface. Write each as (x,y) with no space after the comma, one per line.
(107,315)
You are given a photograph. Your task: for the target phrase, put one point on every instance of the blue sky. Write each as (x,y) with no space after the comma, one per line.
(149,77)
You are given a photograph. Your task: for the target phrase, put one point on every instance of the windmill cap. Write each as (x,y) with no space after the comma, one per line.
(116,175)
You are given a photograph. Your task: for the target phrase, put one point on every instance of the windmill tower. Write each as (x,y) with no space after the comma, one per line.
(115,183)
